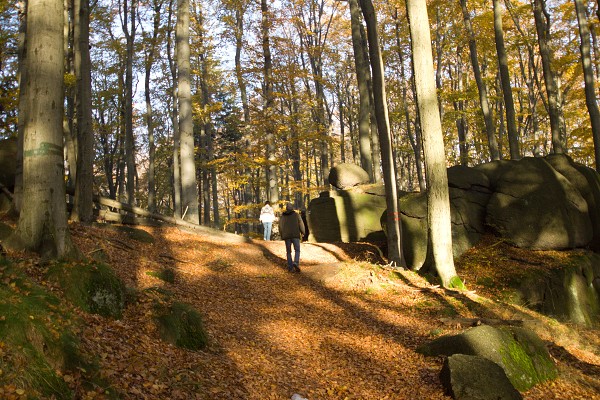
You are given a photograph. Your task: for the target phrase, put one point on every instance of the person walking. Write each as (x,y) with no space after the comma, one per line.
(267,216)
(291,229)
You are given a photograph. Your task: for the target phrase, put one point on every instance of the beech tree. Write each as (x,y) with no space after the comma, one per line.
(588,73)
(393,224)
(189,184)
(481,86)
(439,230)
(84,182)
(42,225)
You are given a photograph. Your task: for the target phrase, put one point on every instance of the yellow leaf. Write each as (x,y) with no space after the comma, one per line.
(20,392)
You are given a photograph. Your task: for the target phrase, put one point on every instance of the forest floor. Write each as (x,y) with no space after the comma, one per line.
(345,327)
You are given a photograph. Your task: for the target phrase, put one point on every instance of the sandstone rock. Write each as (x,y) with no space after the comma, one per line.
(520,352)
(534,206)
(476,378)
(346,175)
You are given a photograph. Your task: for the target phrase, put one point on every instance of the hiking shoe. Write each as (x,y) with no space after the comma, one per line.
(296,267)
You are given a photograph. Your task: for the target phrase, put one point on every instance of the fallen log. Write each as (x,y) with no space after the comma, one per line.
(225,236)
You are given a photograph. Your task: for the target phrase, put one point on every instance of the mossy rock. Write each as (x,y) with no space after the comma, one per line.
(180,324)
(570,293)
(521,354)
(165,274)
(93,287)
(39,347)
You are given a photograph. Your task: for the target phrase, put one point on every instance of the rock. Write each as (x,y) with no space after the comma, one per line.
(93,287)
(346,175)
(534,206)
(520,352)
(296,396)
(469,193)
(587,181)
(182,325)
(346,216)
(571,292)
(468,377)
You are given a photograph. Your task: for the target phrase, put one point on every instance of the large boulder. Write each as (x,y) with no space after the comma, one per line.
(8,162)
(469,193)
(346,175)
(346,216)
(467,377)
(535,206)
(520,352)
(587,181)
(571,293)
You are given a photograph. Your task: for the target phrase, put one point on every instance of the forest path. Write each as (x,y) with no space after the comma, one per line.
(329,332)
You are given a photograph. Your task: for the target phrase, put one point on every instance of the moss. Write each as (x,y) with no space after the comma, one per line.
(37,344)
(518,365)
(456,283)
(166,274)
(91,286)
(181,325)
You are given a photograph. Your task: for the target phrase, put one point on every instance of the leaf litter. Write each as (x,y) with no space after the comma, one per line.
(344,328)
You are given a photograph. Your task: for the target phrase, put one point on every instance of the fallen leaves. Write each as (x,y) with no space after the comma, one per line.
(272,334)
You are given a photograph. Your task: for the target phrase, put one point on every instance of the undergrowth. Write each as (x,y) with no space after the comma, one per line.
(39,351)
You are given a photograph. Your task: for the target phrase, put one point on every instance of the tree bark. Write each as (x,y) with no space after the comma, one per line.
(364,106)
(189,185)
(129,29)
(84,184)
(481,87)
(542,26)
(588,74)
(438,200)
(42,225)
(174,119)
(509,105)
(150,55)
(393,225)
(271,170)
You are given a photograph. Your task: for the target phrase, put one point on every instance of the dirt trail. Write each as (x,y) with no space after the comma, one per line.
(272,333)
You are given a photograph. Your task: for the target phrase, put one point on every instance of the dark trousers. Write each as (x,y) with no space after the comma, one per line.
(288,249)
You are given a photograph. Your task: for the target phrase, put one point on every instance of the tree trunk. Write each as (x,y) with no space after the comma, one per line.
(481,87)
(588,73)
(150,55)
(271,170)
(438,201)
(22,73)
(129,31)
(364,106)
(84,184)
(189,185)
(542,26)
(393,225)
(174,119)
(42,224)
(509,105)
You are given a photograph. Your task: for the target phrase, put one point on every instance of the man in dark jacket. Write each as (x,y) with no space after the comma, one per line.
(291,229)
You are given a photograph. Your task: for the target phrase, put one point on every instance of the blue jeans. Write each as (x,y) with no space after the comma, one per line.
(267,232)
(288,250)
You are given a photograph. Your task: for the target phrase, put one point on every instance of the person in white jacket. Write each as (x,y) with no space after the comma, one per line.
(267,216)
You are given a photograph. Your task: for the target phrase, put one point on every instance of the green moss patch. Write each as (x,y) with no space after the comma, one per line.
(166,274)
(93,287)
(37,346)
(181,325)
